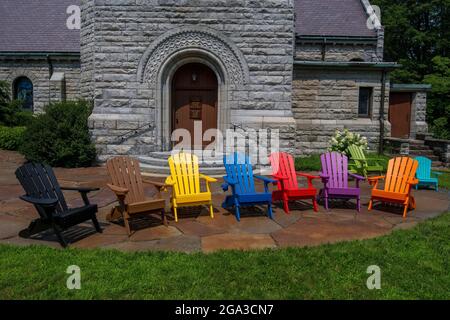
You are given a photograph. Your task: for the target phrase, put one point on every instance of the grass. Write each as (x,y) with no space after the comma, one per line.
(444,180)
(414,265)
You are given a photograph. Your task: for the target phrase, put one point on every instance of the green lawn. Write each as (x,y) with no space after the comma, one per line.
(444,180)
(414,264)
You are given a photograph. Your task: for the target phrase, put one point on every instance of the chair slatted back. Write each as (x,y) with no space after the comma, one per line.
(125,172)
(400,171)
(424,169)
(357,152)
(239,168)
(334,165)
(39,181)
(184,169)
(283,165)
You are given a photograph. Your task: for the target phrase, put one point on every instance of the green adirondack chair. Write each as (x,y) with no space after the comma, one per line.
(360,164)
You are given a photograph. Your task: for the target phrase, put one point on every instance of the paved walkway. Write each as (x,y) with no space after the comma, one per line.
(196,231)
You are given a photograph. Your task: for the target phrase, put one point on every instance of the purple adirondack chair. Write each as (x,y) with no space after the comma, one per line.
(335,179)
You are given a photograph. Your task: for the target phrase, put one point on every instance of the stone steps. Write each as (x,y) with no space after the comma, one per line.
(155,164)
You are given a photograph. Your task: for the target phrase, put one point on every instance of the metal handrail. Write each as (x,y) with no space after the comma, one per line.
(122,137)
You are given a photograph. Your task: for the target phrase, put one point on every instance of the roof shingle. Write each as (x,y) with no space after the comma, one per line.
(331,18)
(37,26)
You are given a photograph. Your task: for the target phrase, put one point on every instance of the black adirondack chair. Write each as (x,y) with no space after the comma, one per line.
(44,192)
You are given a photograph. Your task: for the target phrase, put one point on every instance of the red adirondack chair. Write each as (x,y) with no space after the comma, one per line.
(283,170)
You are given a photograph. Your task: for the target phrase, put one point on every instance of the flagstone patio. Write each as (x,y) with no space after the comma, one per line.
(196,231)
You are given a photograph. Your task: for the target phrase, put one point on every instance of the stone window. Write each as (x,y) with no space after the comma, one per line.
(23,91)
(365,102)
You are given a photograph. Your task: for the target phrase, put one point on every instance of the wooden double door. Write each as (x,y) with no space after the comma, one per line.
(194,102)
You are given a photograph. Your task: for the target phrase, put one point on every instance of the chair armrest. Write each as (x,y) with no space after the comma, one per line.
(80,189)
(169,181)
(159,185)
(306,175)
(413,182)
(119,191)
(207,178)
(278,177)
(357,177)
(50,202)
(324,177)
(376,178)
(229,180)
(265,179)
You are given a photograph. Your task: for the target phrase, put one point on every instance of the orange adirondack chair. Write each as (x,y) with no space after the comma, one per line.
(284,172)
(127,184)
(399,179)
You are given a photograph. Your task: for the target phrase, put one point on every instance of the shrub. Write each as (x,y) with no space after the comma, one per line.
(309,163)
(344,139)
(440,128)
(11,137)
(12,115)
(60,136)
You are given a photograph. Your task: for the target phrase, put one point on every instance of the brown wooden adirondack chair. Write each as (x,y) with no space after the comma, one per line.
(127,184)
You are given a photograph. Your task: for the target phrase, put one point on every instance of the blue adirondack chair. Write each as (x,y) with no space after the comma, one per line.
(240,178)
(425,175)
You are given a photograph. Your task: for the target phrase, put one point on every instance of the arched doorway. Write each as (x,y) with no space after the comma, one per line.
(194,102)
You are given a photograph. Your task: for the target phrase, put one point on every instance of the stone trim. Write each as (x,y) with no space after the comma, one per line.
(192,38)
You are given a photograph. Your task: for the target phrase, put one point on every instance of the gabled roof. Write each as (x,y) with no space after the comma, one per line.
(37,26)
(40,25)
(340,18)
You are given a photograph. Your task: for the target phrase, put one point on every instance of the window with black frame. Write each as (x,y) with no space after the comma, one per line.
(23,91)
(365,102)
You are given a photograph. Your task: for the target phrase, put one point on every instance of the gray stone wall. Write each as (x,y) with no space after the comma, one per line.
(419,114)
(337,52)
(137,44)
(327,100)
(37,70)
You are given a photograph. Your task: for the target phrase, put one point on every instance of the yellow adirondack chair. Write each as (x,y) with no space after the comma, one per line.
(185,182)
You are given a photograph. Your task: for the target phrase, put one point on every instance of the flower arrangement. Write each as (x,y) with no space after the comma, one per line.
(343,139)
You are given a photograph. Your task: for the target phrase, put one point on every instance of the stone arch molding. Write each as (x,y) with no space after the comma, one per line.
(192,38)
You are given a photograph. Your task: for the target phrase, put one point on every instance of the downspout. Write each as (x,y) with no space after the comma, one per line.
(383,96)
(50,74)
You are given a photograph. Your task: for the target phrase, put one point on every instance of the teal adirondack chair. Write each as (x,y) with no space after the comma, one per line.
(425,175)
(360,164)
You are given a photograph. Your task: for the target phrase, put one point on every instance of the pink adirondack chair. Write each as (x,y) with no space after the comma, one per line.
(335,179)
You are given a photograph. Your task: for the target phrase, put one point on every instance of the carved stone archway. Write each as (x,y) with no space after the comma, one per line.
(188,45)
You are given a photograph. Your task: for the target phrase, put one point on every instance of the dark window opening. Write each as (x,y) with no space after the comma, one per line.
(365,102)
(23,91)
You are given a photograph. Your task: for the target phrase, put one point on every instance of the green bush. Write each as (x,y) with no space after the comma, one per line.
(441,128)
(12,115)
(344,139)
(310,163)
(60,136)
(11,137)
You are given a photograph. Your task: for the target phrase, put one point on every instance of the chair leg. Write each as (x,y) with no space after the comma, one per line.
(238,211)
(405,210)
(163,217)
(126,219)
(325,200)
(211,210)
(58,233)
(269,210)
(96,224)
(358,204)
(315,204)
(286,206)
(370,205)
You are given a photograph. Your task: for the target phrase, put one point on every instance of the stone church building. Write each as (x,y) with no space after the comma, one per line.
(304,67)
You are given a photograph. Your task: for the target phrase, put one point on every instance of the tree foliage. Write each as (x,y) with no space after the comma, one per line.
(417,35)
